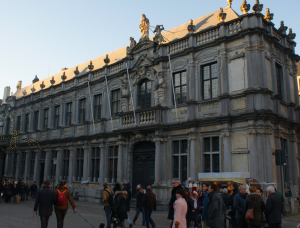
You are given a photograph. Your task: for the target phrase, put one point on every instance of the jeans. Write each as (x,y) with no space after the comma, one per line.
(44,221)
(60,216)
(22,196)
(128,220)
(148,218)
(107,214)
(33,195)
(138,211)
(275,225)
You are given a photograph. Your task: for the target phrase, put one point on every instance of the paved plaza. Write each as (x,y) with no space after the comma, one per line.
(22,216)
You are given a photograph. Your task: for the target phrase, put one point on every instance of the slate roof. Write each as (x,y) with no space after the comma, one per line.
(178,32)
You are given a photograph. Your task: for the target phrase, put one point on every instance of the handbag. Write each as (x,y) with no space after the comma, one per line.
(115,220)
(250,214)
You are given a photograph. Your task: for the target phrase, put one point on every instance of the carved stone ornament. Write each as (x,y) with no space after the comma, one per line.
(131,46)
(158,38)
(229,3)
(191,27)
(91,66)
(268,16)
(36,79)
(106,60)
(245,7)
(76,72)
(42,85)
(282,29)
(159,88)
(24,92)
(257,8)
(64,77)
(141,74)
(144,27)
(52,81)
(291,35)
(32,89)
(222,15)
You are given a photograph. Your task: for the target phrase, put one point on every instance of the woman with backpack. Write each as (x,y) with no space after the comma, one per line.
(61,206)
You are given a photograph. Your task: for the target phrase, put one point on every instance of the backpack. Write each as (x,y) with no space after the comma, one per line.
(110,198)
(61,198)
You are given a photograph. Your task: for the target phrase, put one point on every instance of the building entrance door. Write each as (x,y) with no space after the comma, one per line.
(42,174)
(143,165)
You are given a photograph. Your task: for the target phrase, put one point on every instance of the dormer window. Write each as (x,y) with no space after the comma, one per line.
(145,94)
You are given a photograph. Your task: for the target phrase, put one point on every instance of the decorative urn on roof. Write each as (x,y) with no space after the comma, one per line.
(42,85)
(257,8)
(24,92)
(191,27)
(245,7)
(52,81)
(64,77)
(229,3)
(76,72)
(291,35)
(106,60)
(32,89)
(91,66)
(222,15)
(282,29)
(268,16)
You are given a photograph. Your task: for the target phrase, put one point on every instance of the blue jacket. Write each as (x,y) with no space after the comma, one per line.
(273,209)
(205,202)
(239,204)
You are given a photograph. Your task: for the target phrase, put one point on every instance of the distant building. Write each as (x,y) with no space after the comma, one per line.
(6,94)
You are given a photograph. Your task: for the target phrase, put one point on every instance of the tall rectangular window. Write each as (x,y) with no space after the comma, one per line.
(32,163)
(97,106)
(279,78)
(46,118)
(115,102)
(79,164)
(36,120)
(180,87)
(18,123)
(69,114)
(145,94)
(95,164)
(180,152)
(82,110)
(56,116)
(113,162)
(53,166)
(23,164)
(210,81)
(27,122)
(211,154)
(66,164)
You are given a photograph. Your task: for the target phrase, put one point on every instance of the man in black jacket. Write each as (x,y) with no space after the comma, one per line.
(149,204)
(33,190)
(126,187)
(273,209)
(45,200)
(176,186)
(139,209)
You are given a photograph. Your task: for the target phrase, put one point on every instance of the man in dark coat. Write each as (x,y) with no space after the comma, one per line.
(7,191)
(274,208)
(239,205)
(215,206)
(33,190)
(139,209)
(176,186)
(126,187)
(149,204)
(44,201)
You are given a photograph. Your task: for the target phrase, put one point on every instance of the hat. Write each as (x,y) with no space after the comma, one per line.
(46,182)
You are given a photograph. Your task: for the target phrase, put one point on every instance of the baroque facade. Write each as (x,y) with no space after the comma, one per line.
(115,119)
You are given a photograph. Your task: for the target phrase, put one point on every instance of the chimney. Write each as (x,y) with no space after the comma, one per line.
(6,93)
(36,79)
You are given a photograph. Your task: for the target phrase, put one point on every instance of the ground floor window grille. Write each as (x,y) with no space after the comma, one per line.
(95,163)
(211,154)
(66,164)
(113,162)
(180,163)
(79,163)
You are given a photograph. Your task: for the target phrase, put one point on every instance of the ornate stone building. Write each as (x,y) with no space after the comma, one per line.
(114,119)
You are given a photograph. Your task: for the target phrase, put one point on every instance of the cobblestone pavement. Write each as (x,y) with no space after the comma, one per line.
(21,216)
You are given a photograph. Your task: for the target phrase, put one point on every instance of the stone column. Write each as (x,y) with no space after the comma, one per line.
(7,159)
(120,162)
(157,160)
(192,80)
(26,171)
(31,121)
(253,155)
(40,123)
(36,166)
(74,114)
(292,159)
(192,155)
(102,164)
(227,152)
(85,162)
(19,161)
(47,164)
(51,116)
(61,113)
(71,176)
(224,71)
(58,165)
(269,157)
(104,108)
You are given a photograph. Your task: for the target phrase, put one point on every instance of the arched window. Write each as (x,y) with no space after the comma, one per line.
(145,94)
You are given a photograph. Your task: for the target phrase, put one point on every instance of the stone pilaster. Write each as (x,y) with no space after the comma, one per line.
(193,154)
(61,113)
(18,168)
(71,176)
(27,159)
(85,162)
(40,123)
(120,162)
(157,175)
(51,116)
(192,80)
(253,155)
(47,164)
(74,114)
(7,161)
(292,159)
(36,166)
(58,165)
(102,164)
(227,152)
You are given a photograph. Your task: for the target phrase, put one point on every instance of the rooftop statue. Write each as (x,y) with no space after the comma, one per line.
(144,26)
(158,38)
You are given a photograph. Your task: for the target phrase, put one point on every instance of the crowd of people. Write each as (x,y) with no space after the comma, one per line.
(17,191)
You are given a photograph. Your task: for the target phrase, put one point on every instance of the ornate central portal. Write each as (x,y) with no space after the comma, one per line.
(143,165)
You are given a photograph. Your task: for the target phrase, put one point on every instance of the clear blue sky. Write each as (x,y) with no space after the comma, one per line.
(36,35)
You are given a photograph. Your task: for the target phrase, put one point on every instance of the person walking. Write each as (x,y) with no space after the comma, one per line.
(22,191)
(27,191)
(61,206)
(193,209)
(33,190)
(7,191)
(204,204)
(274,208)
(180,210)
(254,201)
(126,187)
(120,208)
(239,205)
(149,205)
(44,201)
(107,206)
(215,206)
(139,209)
(176,186)
(15,192)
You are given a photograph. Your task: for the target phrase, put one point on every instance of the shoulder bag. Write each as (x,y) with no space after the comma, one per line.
(249,213)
